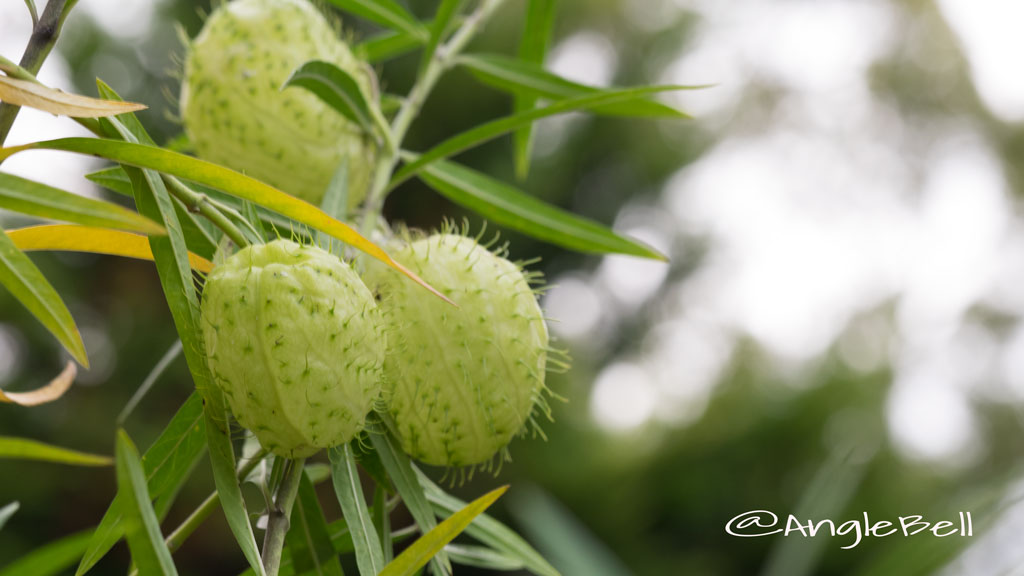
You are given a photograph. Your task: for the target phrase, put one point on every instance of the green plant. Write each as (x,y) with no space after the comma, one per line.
(192,215)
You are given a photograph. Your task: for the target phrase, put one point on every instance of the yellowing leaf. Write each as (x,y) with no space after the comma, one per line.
(52,391)
(422,550)
(226,180)
(89,239)
(32,95)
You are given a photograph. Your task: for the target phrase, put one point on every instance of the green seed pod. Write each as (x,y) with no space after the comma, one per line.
(296,342)
(236,114)
(460,382)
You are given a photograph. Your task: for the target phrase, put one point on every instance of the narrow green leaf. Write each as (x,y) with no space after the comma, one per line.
(32,11)
(335,204)
(311,549)
(12,448)
(36,199)
(384,12)
(488,530)
(194,169)
(26,283)
(403,475)
(482,557)
(167,464)
(222,457)
(368,458)
(382,521)
(127,121)
(6,512)
(519,77)
(493,129)
(149,552)
(533,47)
(519,211)
(170,254)
(128,127)
(388,45)
(336,88)
(446,12)
(114,179)
(423,549)
(335,200)
(50,560)
(353,506)
(252,217)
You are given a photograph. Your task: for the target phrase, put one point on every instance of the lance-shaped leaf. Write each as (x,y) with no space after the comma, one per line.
(149,552)
(25,449)
(494,128)
(36,199)
(384,12)
(310,543)
(166,464)
(21,277)
(33,95)
(533,47)
(425,547)
(50,560)
(223,179)
(171,256)
(509,206)
(446,12)
(390,44)
(403,475)
(48,393)
(482,557)
(488,530)
(369,556)
(71,238)
(336,88)
(520,77)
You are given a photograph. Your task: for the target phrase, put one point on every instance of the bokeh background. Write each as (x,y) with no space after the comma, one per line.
(838,330)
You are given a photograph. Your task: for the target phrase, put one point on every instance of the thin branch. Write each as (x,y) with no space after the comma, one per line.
(202,204)
(443,59)
(279,517)
(44,36)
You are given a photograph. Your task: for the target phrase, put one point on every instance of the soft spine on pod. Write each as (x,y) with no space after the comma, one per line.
(460,382)
(236,114)
(296,342)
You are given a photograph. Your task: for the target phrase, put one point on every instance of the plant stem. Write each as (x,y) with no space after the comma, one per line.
(44,37)
(442,60)
(200,514)
(201,203)
(279,517)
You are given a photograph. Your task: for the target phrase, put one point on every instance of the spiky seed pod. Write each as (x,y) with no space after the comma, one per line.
(236,114)
(296,342)
(460,382)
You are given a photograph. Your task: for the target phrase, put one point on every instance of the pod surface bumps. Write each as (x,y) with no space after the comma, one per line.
(296,342)
(236,114)
(460,382)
